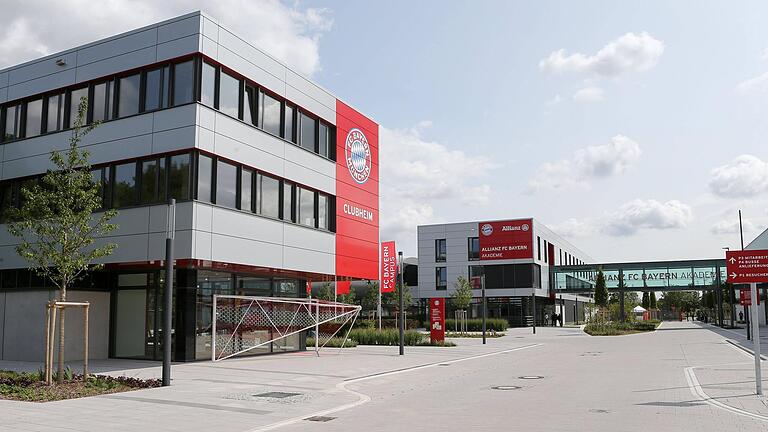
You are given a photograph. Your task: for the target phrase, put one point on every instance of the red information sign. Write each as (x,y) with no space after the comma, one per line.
(745,297)
(437,319)
(388,266)
(749,266)
(477,282)
(506,239)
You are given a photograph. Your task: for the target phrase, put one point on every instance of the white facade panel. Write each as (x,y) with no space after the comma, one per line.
(210,28)
(209,47)
(310,178)
(246,251)
(178,47)
(259,58)
(179,29)
(300,237)
(249,155)
(173,139)
(251,71)
(236,223)
(308,260)
(118,63)
(310,96)
(310,104)
(115,47)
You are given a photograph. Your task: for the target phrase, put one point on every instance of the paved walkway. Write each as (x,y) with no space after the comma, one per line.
(682,377)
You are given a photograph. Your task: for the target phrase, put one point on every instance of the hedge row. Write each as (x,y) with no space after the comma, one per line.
(334,342)
(386,323)
(476,324)
(386,336)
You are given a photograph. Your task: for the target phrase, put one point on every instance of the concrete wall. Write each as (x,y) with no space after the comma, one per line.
(22,325)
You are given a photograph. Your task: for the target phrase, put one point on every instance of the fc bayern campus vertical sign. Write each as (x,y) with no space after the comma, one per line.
(388,267)
(437,319)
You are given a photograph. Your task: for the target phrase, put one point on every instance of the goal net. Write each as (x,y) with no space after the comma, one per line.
(245,323)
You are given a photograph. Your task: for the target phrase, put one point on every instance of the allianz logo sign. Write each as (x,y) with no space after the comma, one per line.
(523,227)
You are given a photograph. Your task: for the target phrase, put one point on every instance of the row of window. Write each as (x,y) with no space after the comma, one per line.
(144,91)
(165,86)
(237,186)
(497,276)
(156,179)
(243,100)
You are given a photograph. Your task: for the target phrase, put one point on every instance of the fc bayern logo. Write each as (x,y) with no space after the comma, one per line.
(487,229)
(525,227)
(357,152)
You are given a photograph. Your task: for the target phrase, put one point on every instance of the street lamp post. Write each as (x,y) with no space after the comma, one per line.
(400,300)
(168,293)
(485,308)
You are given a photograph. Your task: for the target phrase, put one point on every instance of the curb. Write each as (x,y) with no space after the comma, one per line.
(745,349)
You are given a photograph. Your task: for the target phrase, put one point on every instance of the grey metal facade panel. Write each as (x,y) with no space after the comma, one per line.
(246,251)
(116,64)
(3,94)
(254,156)
(250,70)
(41,68)
(178,47)
(42,84)
(308,260)
(235,223)
(300,237)
(131,42)
(174,30)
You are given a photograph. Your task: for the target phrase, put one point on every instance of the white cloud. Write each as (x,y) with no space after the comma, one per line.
(416,173)
(629,53)
(647,214)
(756,84)
(593,162)
(32,28)
(589,94)
(731,226)
(630,218)
(746,176)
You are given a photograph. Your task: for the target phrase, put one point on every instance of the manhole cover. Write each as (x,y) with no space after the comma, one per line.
(319,419)
(531,377)
(276,395)
(506,387)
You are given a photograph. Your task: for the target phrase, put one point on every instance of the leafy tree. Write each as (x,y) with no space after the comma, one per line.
(348,298)
(461,298)
(391,299)
(601,292)
(370,301)
(646,303)
(681,300)
(652,302)
(325,292)
(56,223)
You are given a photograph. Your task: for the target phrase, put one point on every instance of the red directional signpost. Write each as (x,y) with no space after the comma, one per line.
(750,266)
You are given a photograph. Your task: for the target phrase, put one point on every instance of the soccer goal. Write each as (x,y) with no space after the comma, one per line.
(244,323)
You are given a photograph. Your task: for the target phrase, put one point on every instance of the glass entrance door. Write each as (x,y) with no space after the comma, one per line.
(138,316)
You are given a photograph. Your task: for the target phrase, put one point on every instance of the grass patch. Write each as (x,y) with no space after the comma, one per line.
(613,328)
(366,336)
(490,334)
(25,386)
(334,342)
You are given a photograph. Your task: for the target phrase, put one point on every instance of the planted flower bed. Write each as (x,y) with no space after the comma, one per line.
(614,328)
(25,386)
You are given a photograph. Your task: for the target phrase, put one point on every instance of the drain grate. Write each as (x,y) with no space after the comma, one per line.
(506,387)
(276,395)
(531,377)
(320,419)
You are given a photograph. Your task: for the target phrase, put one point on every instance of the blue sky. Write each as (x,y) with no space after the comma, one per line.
(635,129)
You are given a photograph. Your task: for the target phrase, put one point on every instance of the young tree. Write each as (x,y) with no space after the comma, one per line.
(56,224)
(392,298)
(348,298)
(370,301)
(646,303)
(325,292)
(601,292)
(652,302)
(461,298)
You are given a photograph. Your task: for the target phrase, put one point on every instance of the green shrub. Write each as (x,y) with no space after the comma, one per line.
(476,324)
(386,323)
(387,336)
(613,328)
(334,342)
(440,344)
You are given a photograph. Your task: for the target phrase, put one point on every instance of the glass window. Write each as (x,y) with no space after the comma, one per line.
(248,105)
(153,89)
(152,181)
(288,201)
(165,91)
(226,184)
(268,196)
(322,212)
(75,96)
(270,114)
(102,101)
(55,112)
(183,82)
(204,177)
(308,132)
(441,278)
(34,120)
(288,124)
(11,123)
(246,190)
(440,250)
(128,102)
(179,176)
(323,140)
(229,94)
(125,185)
(208,85)
(306,207)
(473,246)
(208,284)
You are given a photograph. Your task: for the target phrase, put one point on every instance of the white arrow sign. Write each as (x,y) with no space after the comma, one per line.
(733,275)
(732,260)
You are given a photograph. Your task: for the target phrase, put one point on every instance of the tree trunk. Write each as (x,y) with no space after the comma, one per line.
(60,369)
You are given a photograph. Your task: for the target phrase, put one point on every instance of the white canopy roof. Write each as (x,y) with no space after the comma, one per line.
(638,309)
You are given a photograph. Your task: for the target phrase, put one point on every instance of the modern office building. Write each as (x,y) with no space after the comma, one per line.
(275,178)
(514,255)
